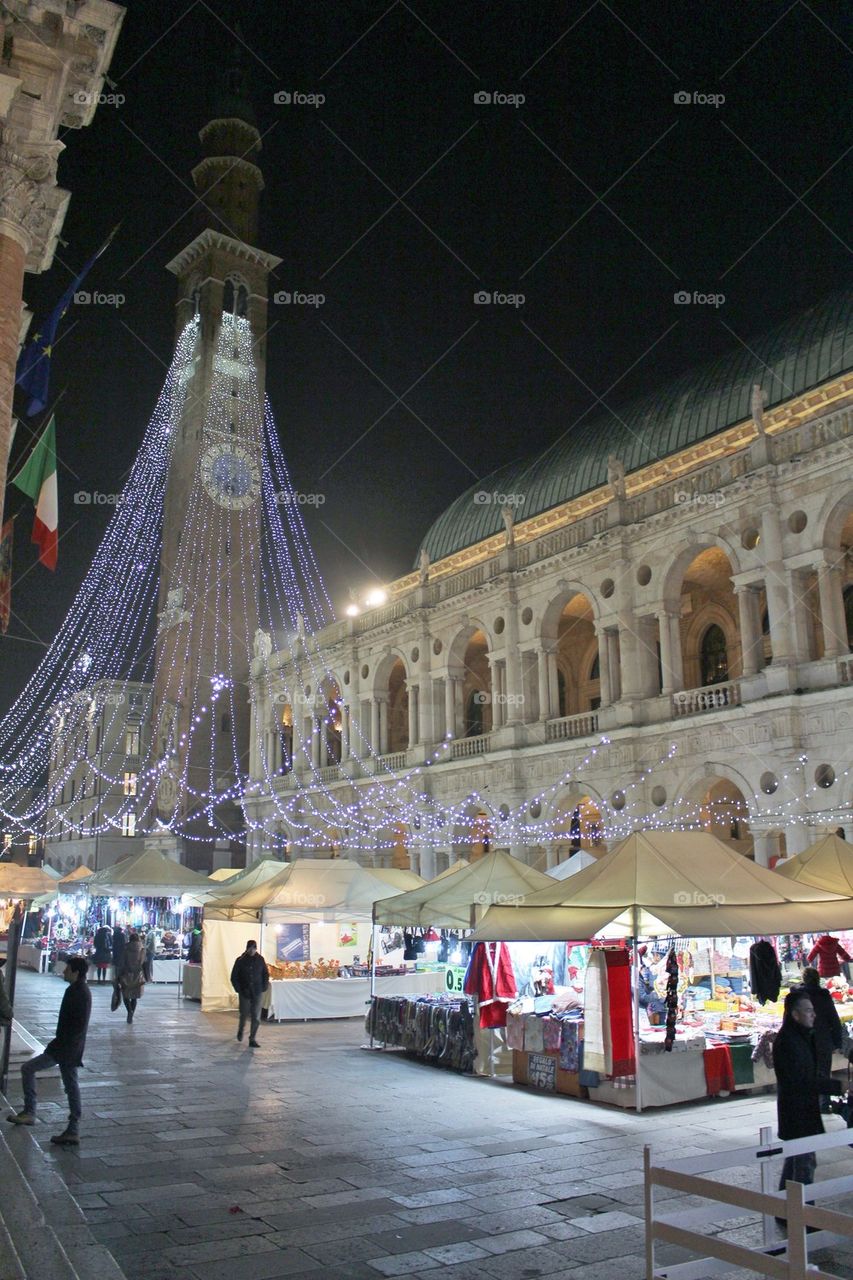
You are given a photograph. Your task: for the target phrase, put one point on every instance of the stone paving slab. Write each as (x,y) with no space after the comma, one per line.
(201,1161)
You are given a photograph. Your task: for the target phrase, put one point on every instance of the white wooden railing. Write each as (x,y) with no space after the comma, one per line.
(693,702)
(783,1257)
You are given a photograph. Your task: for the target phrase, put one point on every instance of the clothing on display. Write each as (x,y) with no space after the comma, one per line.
(491,979)
(671,998)
(829,954)
(623,1062)
(597,1049)
(765,973)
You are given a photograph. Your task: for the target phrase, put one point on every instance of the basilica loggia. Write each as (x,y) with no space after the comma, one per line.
(648,625)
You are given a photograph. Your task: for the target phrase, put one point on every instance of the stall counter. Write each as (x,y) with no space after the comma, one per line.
(191,981)
(30,957)
(308,998)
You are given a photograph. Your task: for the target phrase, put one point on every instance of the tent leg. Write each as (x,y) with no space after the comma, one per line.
(638,1092)
(372,977)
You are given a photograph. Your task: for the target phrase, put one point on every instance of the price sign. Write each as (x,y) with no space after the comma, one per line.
(454,976)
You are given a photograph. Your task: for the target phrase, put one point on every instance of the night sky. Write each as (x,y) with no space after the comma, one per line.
(400,197)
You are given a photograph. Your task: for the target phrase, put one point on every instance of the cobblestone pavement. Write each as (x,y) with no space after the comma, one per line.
(203,1159)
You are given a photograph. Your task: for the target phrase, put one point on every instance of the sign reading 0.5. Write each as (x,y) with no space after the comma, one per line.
(454,976)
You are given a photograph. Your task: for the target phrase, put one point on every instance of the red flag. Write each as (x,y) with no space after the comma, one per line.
(6,574)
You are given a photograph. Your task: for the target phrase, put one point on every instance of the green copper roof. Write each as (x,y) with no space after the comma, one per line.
(802,353)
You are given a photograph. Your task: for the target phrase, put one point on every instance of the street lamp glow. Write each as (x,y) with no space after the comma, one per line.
(352,611)
(375,598)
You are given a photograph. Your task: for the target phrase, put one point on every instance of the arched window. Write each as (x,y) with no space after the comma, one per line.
(474,714)
(562,693)
(714,656)
(848,614)
(235,298)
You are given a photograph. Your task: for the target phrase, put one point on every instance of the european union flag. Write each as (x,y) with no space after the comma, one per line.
(33,372)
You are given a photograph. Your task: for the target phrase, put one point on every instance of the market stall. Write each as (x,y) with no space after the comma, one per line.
(312,922)
(152,890)
(663,885)
(827,864)
(451,904)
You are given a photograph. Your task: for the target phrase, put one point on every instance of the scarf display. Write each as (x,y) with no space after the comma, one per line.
(719,1071)
(621,1013)
(598,1054)
(570,1046)
(672,971)
(437,1028)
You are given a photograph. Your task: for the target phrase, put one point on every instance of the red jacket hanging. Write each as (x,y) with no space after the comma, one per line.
(829,953)
(491,979)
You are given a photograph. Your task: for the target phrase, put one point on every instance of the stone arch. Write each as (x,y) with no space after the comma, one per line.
(474,836)
(835,523)
(718,799)
(706,599)
(469,666)
(573,820)
(569,640)
(673,575)
(391,688)
(235,295)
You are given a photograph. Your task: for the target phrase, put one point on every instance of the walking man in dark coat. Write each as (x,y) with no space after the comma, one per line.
(798,1085)
(250,979)
(64,1051)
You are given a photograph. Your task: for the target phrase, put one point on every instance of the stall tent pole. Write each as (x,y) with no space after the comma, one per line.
(372,969)
(638,1092)
(16,925)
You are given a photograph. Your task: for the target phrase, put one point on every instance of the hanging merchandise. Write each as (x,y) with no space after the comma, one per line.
(671,1000)
(597,1049)
(491,979)
(765,972)
(829,954)
(620,1004)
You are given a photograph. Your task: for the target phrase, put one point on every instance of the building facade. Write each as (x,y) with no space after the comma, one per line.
(56,54)
(648,625)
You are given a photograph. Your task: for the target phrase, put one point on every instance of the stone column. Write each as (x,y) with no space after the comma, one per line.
(630,668)
(553,684)
(800,620)
(450,725)
(832,617)
(426,702)
(318,742)
(375,739)
(776,586)
(346,729)
(414,716)
(763,847)
(382,708)
(605,692)
(671,660)
(514,687)
(542,674)
(750,631)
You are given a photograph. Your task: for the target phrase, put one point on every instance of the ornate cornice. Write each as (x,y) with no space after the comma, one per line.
(26,183)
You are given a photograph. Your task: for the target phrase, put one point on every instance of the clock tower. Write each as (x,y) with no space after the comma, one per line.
(212,521)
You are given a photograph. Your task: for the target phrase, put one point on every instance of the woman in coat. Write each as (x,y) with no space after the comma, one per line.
(103,952)
(130,976)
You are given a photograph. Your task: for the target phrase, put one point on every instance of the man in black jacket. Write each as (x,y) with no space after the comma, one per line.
(250,979)
(798,1086)
(64,1051)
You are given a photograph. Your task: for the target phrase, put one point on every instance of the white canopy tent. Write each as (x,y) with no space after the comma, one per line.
(149,874)
(448,901)
(571,866)
(827,864)
(313,891)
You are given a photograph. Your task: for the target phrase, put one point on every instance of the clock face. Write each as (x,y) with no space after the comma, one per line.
(231,477)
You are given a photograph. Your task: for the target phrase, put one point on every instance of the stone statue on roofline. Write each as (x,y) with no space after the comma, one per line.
(759,401)
(509,524)
(616,476)
(423,567)
(263,644)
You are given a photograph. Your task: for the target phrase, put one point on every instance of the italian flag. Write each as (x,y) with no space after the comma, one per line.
(37,479)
